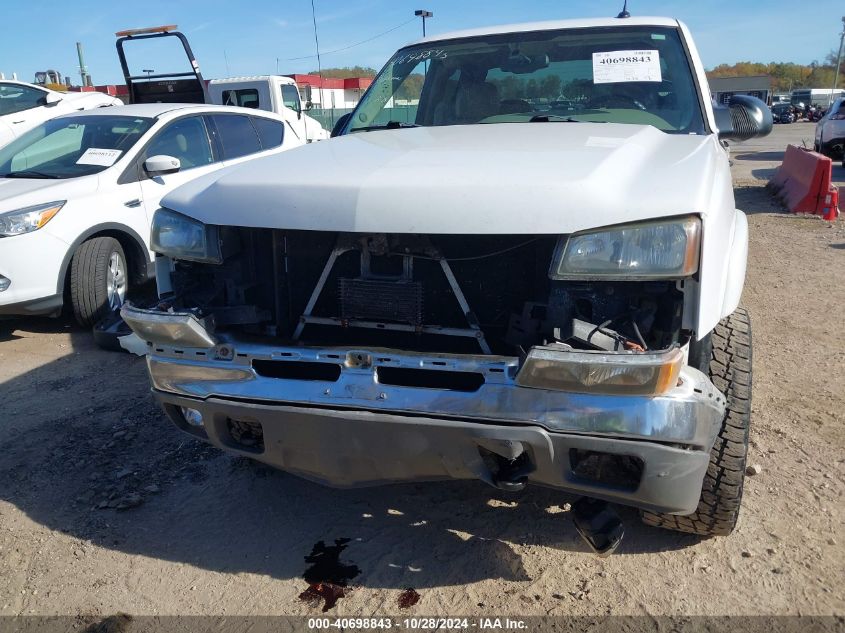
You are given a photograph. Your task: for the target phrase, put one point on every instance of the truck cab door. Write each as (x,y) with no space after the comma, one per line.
(292,101)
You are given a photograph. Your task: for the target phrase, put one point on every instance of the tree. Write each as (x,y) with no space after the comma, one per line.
(411,88)
(784,76)
(346,72)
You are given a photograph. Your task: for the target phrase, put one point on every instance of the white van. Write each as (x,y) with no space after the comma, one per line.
(275,93)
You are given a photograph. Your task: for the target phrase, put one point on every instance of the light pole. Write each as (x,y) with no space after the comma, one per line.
(423,14)
(838,63)
(149,72)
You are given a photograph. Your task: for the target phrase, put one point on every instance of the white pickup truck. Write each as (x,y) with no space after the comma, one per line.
(275,93)
(530,272)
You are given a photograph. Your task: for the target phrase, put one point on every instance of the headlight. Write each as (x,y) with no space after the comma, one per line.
(181,237)
(660,249)
(28,219)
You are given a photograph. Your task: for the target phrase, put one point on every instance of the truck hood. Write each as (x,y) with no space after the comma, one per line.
(515,178)
(16,193)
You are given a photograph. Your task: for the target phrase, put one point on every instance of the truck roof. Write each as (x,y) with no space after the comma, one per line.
(222,80)
(549,25)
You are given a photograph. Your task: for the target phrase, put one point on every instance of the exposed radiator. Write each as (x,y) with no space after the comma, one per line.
(381,300)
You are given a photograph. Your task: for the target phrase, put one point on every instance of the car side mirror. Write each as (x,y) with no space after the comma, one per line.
(743,118)
(161,164)
(51,99)
(340,124)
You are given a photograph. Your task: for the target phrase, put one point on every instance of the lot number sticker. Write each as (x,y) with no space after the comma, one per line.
(97,156)
(618,66)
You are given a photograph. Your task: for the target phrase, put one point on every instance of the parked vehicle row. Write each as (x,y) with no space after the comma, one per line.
(783,113)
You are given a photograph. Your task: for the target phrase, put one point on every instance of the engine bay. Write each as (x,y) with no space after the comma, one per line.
(442,293)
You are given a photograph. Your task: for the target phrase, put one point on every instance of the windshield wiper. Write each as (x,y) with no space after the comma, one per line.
(546,118)
(390,125)
(28,173)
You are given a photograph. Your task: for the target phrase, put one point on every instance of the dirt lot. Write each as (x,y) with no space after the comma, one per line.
(105,508)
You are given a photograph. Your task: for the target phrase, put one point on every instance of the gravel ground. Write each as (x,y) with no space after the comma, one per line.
(105,508)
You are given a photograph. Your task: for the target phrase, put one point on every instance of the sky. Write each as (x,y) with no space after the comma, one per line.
(252,37)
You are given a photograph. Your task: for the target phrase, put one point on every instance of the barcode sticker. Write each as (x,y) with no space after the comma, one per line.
(620,66)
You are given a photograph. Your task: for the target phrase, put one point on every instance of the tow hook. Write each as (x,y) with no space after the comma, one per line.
(507,463)
(513,474)
(598,524)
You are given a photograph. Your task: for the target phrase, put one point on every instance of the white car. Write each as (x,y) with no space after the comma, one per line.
(77,194)
(830,131)
(23,106)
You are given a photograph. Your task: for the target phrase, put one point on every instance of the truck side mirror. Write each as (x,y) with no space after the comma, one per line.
(743,118)
(308,105)
(340,124)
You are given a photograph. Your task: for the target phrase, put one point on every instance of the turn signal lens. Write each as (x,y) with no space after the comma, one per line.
(28,219)
(621,373)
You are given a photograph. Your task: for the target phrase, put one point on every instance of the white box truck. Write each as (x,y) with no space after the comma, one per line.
(275,93)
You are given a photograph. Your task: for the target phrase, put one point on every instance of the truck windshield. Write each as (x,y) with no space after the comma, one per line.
(638,75)
(71,146)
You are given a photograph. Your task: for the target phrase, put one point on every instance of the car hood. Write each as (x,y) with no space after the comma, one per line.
(530,178)
(86,100)
(17,193)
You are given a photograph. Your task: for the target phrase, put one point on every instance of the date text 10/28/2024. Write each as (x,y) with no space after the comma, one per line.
(373,623)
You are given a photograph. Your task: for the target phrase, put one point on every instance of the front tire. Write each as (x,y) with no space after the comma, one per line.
(721,493)
(98,279)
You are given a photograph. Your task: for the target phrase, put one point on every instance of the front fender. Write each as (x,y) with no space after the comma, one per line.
(737,259)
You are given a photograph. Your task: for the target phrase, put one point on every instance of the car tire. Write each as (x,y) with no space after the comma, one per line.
(98,279)
(721,493)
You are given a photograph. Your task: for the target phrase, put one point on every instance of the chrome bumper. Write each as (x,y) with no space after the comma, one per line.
(689,414)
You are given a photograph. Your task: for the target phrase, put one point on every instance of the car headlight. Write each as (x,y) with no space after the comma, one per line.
(28,219)
(181,237)
(658,249)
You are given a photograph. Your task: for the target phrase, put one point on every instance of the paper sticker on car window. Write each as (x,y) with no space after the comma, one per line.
(97,156)
(619,66)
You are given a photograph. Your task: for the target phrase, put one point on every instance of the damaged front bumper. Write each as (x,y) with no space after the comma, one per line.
(353,417)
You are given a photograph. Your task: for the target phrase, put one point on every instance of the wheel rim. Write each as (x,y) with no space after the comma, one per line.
(116,281)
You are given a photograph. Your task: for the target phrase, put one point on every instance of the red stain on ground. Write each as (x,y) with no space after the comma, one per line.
(324,592)
(408,598)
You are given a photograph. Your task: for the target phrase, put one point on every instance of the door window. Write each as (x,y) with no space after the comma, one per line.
(237,135)
(15,98)
(185,139)
(245,98)
(290,97)
(271,133)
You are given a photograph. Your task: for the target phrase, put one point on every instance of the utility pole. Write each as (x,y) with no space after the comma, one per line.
(838,63)
(83,71)
(422,13)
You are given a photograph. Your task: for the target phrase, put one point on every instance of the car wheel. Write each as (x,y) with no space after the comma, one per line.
(721,492)
(99,279)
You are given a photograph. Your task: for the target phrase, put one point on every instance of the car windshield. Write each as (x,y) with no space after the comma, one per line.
(637,75)
(71,146)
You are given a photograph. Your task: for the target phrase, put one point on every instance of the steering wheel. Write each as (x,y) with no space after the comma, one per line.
(615,101)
